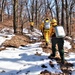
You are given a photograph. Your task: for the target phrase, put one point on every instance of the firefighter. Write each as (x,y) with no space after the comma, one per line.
(55,40)
(45,27)
(31,25)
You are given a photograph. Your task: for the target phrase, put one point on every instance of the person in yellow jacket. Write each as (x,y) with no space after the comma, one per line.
(47,32)
(31,25)
(45,28)
(55,40)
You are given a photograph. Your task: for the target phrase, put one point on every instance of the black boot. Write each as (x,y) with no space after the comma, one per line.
(51,56)
(62,56)
(46,44)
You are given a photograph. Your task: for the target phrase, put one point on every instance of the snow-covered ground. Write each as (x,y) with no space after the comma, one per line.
(24,61)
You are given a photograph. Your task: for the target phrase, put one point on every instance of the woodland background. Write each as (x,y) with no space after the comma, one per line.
(21,12)
(17,14)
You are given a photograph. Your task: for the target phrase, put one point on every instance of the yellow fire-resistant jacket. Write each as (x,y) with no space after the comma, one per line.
(51,31)
(45,32)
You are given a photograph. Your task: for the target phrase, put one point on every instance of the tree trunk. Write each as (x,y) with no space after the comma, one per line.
(36,13)
(57,12)
(28,12)
(21,19)
(67,17)
(15,16)
(32,11)
(70,13)
(2,11)
(62,15)
(8,12)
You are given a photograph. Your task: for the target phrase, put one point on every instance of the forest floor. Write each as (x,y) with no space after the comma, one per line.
(24,40)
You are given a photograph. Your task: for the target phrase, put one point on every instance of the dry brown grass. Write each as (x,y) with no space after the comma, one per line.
(16,41)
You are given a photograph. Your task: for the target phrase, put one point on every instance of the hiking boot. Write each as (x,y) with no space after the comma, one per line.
(51,56)
(46,44)
(62,61)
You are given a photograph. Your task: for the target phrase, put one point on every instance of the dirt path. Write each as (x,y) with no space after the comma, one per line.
(66,68)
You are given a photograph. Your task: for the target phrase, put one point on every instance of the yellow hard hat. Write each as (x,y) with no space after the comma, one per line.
(31,23)
(54,22)
(47,20)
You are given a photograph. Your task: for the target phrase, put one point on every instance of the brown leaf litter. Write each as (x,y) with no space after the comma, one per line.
(16,41)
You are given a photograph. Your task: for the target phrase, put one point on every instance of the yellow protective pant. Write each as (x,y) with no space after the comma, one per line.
(46,36)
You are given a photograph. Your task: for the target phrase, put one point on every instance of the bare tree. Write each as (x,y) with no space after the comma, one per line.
(32,10)
(67,17)
(15,16)
(70,13)
(57,11)
(28,11)
(37,10)
(2,10)
(36,13)
(69,5)
(62,15)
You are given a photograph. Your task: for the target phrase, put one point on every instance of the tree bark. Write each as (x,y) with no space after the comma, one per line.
(62,14)
(36,13)
(57,12)
(2,11)
(15,15)
(67,17)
